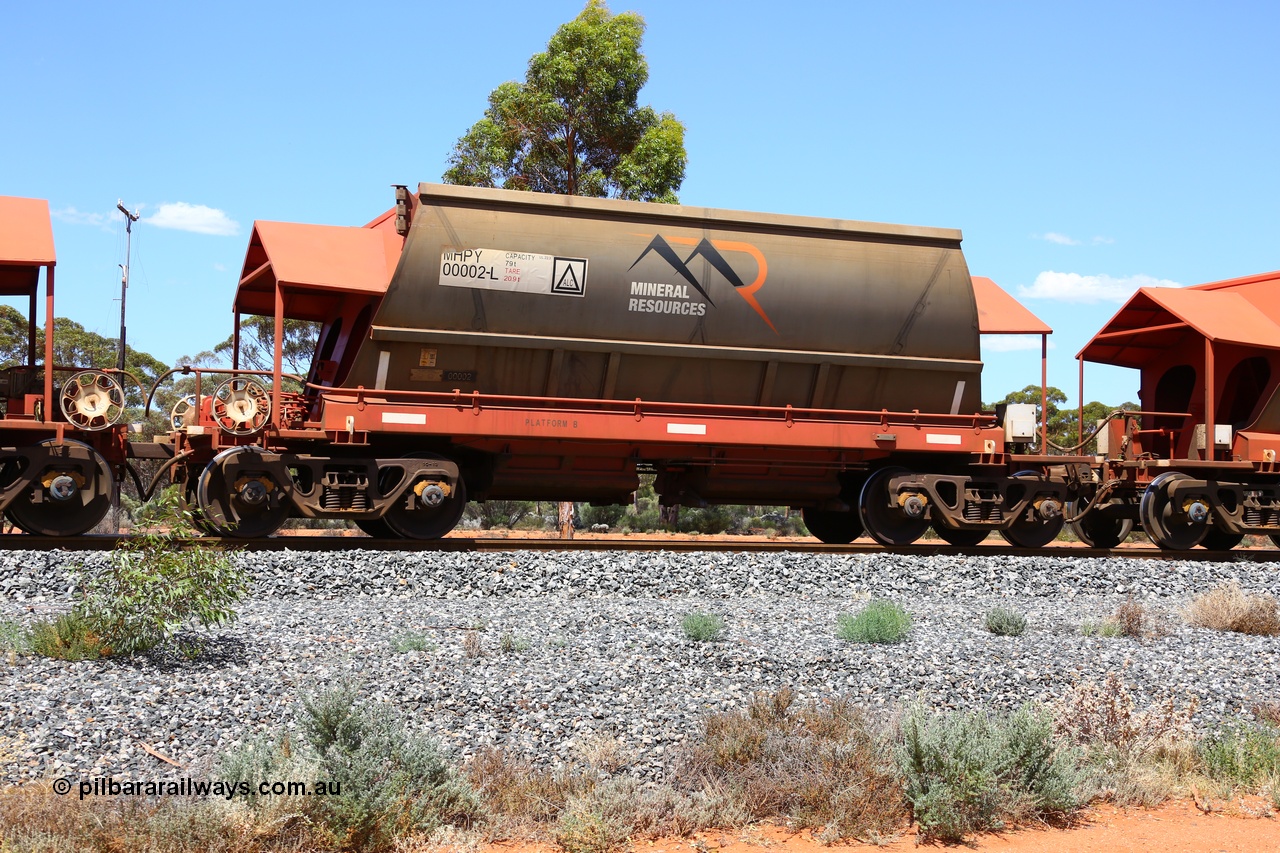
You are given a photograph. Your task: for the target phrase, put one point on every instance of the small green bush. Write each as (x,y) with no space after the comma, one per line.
(971,772)
(392,783)
(881,621)
(510,644)
(702,627)
(68,637)
(152,590)
(1006,622)
(14,637)
(1244,755)
(412,643)
(1106,629)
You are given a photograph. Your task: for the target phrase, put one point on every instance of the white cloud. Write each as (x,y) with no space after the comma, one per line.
(79,217)
(219,268)
(195,218)
(1012,343)
(1103,241)
(1060,239)
(1073,287)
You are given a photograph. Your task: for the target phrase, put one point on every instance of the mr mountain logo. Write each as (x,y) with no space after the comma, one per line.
(675,298)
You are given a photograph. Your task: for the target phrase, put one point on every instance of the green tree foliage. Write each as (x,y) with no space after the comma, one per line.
(76,346)
(574,126)
(258,344)
(1062,423)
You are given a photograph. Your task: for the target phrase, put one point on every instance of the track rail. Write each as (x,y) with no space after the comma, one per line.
(24,542)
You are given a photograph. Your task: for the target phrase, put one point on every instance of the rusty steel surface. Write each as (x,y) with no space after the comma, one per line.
(598,298)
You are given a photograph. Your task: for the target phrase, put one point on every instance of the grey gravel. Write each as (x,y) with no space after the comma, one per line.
(595,649)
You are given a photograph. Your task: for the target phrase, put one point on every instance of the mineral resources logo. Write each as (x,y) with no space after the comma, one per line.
(675,298)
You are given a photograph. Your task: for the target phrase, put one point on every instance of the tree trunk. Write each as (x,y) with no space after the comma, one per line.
(566,519)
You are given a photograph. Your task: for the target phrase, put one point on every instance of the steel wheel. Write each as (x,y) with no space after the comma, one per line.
(69,493)
(833,527)
(960,537)
(1220,540)
(376,527)
(242,496)
(411,517)
(1099,531)
(1030,530)
(882,518)
(1165,523)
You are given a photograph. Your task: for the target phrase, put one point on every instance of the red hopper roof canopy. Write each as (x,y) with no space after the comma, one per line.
(316,266)
(1242,311)
(26,244)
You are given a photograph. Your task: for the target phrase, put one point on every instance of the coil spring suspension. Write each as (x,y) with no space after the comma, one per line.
(344,492)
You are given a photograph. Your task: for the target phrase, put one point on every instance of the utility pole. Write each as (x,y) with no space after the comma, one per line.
(129,219)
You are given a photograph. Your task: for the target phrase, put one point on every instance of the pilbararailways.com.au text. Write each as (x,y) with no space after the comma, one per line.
(106,786)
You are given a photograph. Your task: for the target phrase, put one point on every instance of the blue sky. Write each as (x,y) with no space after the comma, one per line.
(1082,148)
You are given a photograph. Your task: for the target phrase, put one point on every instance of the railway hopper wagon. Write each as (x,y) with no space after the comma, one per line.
(488,344)
(1198,466)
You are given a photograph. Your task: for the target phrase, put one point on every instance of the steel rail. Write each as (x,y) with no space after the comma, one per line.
(25,542)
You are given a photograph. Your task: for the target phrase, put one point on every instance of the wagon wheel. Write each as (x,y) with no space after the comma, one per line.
(252,505)
(414,516)
(69,497)
(1030,529)
(884,519)
(376,527)
(92,400)
(241,406)
(1220,540)
(832,526)
(1097,530)
(960,537)
(1167,525)
(181,411)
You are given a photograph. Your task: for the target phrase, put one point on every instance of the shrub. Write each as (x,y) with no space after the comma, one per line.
(1106,629)
(514,789)
(1244,755)
(68,637)
(511,644)
(1131,618)
(609,515)
(970,772)
(821,766)
(702,627)
(880,621)
(14,637)
(1005,622)
(391,783)
(412,643)
(1102,717)
(1229,608)
(152,589)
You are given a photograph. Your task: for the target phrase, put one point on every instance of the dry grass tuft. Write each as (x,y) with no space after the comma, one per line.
(1229,608)
(1103,716)
(518,794)
(821,766)
(35,820)
(1131,618)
